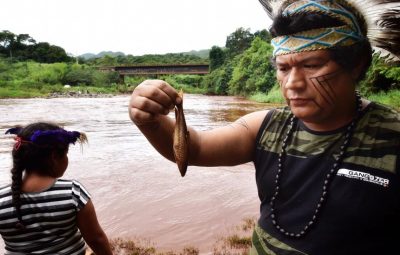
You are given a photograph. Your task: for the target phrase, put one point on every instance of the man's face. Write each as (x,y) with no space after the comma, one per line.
(315,87)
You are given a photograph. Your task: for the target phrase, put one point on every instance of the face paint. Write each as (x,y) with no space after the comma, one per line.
(323,86)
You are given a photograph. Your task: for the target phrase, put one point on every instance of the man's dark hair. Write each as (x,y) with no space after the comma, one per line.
(349,57)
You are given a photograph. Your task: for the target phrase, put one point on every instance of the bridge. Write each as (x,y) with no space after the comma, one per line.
(162,69)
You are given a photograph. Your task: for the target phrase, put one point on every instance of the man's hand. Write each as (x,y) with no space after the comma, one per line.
(151,99)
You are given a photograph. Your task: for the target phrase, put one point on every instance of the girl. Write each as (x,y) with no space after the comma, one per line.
(40,213)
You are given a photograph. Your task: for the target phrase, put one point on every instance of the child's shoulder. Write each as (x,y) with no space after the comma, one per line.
(72,183)
(66,181)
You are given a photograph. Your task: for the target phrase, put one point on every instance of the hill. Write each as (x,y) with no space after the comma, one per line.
(101,54)
(198,53)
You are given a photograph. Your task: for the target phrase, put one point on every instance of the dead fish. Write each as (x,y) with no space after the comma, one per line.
(181,139)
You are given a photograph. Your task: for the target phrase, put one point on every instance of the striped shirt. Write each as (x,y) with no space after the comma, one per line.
(49,218)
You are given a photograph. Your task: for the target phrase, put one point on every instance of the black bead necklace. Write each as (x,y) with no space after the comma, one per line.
(328,179)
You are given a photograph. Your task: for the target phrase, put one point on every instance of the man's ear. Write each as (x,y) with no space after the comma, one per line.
(356,72)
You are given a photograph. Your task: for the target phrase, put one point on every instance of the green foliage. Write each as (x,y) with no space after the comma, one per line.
(389,98)
(254,73)
(190,80)
(107,60)
(238,41)
(246,68)
(81,76)
(47,73)
(264,35)
(45,53)
(274,96)
(134,80)
(31,79)
(217,81)
(188,83)
(217,57)
(23,47)
(170,58)
(381,77)
(392,73)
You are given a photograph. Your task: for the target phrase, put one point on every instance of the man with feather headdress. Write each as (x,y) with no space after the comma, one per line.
(328,164)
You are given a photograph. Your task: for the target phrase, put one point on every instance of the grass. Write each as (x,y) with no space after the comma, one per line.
(138,246)
(274,96)
(391,98)
(16,93)
(47,90)
(236,242)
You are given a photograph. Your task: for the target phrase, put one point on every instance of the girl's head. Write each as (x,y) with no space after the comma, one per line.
(40,148)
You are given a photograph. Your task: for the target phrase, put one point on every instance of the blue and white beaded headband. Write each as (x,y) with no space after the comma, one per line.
(322,38)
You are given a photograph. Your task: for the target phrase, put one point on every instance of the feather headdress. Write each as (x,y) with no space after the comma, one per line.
(378,20)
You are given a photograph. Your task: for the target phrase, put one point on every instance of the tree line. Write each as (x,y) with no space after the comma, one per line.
(241,67)
(22,47)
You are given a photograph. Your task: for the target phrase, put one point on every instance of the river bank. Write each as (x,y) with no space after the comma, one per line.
(60,91)
(390,98)
(78,94)
(236,241)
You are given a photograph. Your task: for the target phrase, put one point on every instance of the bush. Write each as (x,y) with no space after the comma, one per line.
(380,77)
(79,77)
(254,72)
(217,81)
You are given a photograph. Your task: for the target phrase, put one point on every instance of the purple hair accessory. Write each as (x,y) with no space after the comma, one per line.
(55,136)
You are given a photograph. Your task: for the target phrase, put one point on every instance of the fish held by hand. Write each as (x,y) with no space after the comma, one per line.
(181,139)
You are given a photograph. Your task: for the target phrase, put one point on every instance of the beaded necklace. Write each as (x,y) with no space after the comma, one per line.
(328,179)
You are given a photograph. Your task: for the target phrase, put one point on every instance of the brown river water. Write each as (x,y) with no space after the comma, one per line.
(136,192)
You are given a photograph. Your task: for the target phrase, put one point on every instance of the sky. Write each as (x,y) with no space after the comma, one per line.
(134,27)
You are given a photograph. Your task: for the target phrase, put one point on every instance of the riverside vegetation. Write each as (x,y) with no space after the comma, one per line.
(241,68)
(236,242)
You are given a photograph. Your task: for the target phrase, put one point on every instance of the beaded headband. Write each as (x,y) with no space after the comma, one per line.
(323,38)
(379,23)
(48,137)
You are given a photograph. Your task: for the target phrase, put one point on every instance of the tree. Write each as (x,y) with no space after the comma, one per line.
(217,57)
(25,39)
(238,41)
(43,52)
(253,73)
(7,40)
(264,35)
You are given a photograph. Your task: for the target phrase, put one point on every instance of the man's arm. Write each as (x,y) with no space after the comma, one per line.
(230,145)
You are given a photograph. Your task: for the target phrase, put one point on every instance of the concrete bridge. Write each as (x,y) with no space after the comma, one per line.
(161,69)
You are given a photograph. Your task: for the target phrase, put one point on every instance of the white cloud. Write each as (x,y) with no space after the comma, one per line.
(132,26)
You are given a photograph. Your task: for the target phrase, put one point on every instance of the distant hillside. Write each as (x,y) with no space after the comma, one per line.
(101,54)
(198,53)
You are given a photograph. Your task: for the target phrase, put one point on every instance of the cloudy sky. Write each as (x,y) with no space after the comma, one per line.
(132,26)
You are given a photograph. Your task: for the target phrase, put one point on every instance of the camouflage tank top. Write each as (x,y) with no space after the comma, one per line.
(361,214)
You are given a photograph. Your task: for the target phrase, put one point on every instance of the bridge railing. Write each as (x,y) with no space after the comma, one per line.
(159,69)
